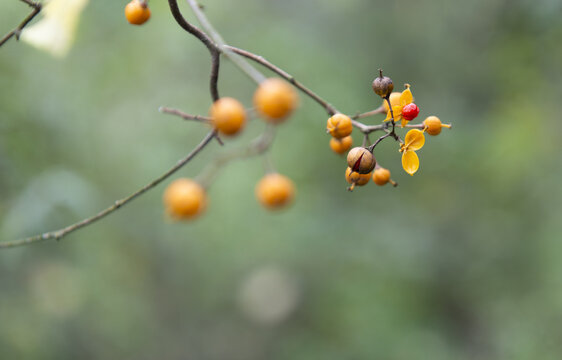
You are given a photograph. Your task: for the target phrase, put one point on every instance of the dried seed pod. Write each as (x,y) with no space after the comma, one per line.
(383,85)
(361,160)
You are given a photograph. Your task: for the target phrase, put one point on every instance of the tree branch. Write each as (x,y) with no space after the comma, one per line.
(183,115)
(58,234)
(215,44)
(240,62)
(330,109)
(16,32)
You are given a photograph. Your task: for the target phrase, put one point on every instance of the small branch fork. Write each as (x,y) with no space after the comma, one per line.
(17,31)
(216,47)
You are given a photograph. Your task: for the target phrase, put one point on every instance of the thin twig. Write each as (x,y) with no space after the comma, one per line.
(372,147)
(258,146)
(183,115)
(186,116)
(214,77)
(330,109)
(195,31)
(206,40)
(16,32)
(240,62)
(58,234)
(379,110)
(234,54)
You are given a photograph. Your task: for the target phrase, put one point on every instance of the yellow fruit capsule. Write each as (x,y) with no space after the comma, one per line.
(275,100)
(340,146)
(354,178)
(274,191)
(381,176)
(227,116)
(137,12)
(184,199)
(339,126)
(433,125)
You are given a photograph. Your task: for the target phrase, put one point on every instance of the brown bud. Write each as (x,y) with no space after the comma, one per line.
(361,160)
(382,85)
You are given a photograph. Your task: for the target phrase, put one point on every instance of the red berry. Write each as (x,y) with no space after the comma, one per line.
(410,111)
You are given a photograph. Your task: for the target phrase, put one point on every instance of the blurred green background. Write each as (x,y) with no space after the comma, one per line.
(461,261)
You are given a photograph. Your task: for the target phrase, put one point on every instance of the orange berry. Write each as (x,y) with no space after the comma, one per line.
(137,12)
(354,177)
(275,191)
(381,176)
(184,199)
(433,125)
(394,100)
(275,100)
(340,146)
(227,115)
(339,126)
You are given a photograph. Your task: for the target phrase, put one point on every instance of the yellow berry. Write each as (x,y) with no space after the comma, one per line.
(432,125)
(184,199)
(361,160)
(339,126)
(137,12)
(381,176)
(394,100)
(275,191)
(354,177)
(340,146)
(275,100)
(228,116)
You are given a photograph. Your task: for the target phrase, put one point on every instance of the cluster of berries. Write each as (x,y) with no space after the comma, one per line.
(274,100)
(399,107)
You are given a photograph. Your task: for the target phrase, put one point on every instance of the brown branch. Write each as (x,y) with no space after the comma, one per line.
(379,110)
(214,77)
(186,116)
(330,109)
(16,32)
(238,60)
(234,54)
(206,40)
(372,147)
(58,234)
(183,115)
(216,46)
(256,147)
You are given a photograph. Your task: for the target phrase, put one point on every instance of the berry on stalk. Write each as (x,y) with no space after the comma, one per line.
(410,111)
